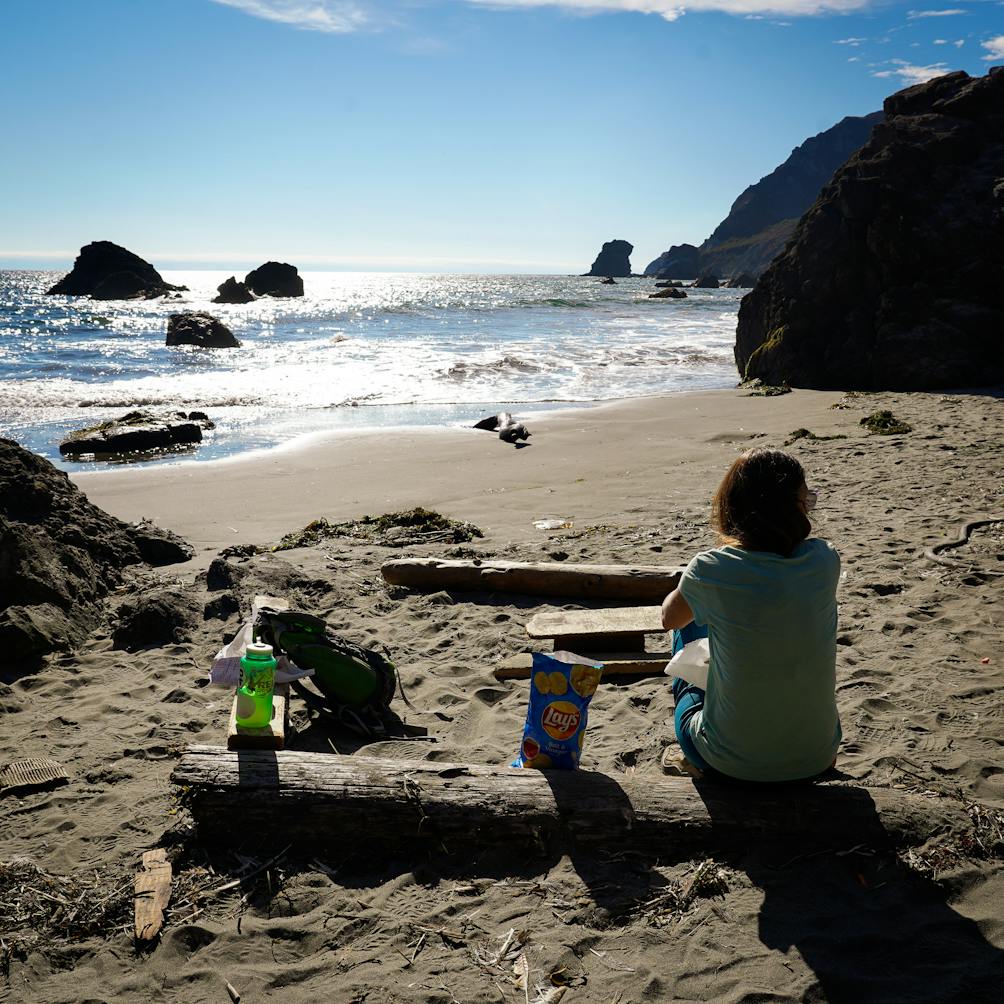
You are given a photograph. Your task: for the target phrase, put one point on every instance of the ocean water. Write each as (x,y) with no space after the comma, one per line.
(358,350)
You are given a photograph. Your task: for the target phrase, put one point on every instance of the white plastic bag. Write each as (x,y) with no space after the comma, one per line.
(691,663)
(226,668)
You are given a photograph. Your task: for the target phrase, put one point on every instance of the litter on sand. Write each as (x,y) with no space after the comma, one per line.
(36,772)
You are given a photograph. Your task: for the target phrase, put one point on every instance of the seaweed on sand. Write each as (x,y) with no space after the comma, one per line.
(885,423)
(393,529)
(806,434)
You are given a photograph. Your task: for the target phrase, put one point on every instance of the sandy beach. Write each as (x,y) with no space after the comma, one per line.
(919,678)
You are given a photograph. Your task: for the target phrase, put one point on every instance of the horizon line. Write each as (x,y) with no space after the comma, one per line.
(223,260)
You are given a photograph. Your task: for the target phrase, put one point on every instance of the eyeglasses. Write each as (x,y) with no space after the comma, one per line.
(810,499)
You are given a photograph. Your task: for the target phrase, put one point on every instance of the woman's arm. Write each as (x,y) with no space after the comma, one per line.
(676,612)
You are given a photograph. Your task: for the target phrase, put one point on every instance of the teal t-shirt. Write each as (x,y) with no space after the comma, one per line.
(770,713)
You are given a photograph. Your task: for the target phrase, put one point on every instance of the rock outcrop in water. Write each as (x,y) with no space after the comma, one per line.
(107,271)
(136,432)
(763,218)
(274,279)
(681,261)
(232,291)
(707,281)
(613,261)
(59,556)
(894,279)
(199,329)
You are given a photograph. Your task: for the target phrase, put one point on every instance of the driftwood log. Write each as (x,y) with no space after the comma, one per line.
(649,583)
(319,801)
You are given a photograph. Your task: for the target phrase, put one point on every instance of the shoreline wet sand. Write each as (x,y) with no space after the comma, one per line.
(919,677)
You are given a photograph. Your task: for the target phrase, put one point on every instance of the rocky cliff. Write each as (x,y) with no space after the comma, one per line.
(894,279)
(764,217)
(60,556)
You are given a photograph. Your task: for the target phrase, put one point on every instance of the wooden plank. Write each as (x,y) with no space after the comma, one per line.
(272,736)
(152,888)
(596,623)
(519,667)
(324,802)
(588,582)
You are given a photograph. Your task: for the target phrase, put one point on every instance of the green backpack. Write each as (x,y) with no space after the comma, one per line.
(357,684)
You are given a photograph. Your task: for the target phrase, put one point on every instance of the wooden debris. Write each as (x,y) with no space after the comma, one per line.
(587,582)
(519,667)
(152,892)
(272,736)
(234,995)
(615,629)
(322,801)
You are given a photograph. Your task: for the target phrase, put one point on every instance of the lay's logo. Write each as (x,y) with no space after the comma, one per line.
(560,719)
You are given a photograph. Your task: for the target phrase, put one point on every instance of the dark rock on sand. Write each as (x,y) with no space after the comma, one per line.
(107,271)
(135,432)
(667,283)
(200,329)
(742,281)
(221,607)
(608,281)
(668,293)
(274,279)
(157,616)
(233,291)
(158,546)
(264,573)
(614,260)
(59,556)
(681,261)
(894,279)
(707,282)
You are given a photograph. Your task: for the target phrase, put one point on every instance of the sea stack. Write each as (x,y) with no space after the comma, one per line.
(274,279)
(107,271)
(232,291)
(894,279)
(613,261)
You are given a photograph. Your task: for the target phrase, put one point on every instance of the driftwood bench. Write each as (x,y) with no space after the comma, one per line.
(637,584)
(320,801)
(591,632)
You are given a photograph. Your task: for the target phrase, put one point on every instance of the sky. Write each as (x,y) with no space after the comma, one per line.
(460,135)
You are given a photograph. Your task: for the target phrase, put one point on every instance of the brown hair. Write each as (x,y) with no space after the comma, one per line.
(757,504)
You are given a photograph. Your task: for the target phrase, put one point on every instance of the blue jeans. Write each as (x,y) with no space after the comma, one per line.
(689,699)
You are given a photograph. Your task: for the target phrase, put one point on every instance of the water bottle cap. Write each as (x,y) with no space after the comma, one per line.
(258,650)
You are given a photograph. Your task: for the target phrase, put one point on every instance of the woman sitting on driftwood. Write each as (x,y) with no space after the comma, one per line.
(766,601)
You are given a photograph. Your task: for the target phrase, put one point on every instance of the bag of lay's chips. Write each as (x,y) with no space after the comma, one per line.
(561,687)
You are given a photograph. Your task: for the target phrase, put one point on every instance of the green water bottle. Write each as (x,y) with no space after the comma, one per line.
(254,695)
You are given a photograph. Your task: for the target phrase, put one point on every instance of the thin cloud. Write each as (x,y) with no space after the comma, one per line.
(855,42)
(341,17)
(952,12)
(670,10)
(334,17)
(912,73)
(995,48)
